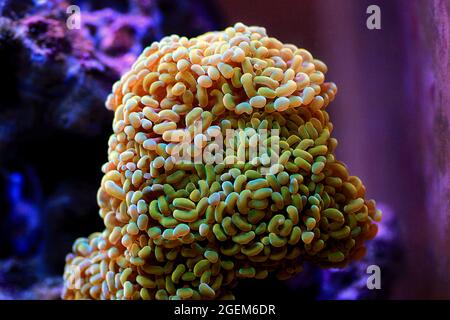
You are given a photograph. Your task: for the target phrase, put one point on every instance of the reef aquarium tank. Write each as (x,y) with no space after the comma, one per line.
(224,150)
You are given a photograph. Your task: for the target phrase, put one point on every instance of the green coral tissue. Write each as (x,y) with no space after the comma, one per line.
(189,207)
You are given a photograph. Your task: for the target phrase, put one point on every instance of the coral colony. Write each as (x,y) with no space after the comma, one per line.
(221,167)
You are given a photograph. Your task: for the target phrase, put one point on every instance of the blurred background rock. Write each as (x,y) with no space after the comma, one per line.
(391,118)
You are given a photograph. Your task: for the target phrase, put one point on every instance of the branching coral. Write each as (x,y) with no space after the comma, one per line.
(189,229)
